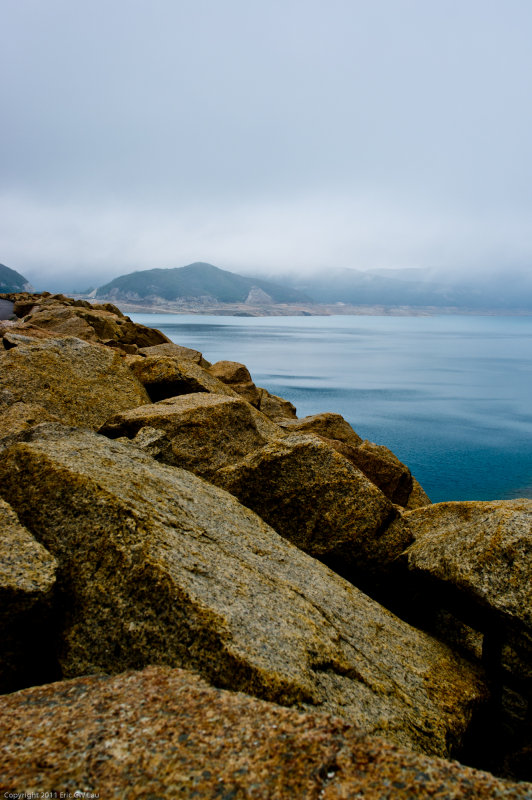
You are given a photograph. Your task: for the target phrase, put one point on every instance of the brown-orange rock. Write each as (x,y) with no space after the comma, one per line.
(200,432)
(384,469)
(92,322)
(27,582)
(328,425)
(78,382)
(377,462)
(168,376)
(236,376)
(163,733)
(158,566)
(483,549)
(19,417)
(274,407)
(313,497)
(176,351)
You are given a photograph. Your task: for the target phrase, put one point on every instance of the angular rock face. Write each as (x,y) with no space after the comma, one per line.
(19,417)
(384,469)
(164,733)
(377,462)
(91,323)
(79,382)
(474,561)
(276,408)
(479,555)
(175,351)
(15,333)
(27,581)
(166,376)
(314,498)
(199,432)
(483,549)
(238,378)
(160,567)
(418,497)
(327,425)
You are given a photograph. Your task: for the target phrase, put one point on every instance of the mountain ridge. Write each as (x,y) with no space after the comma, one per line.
(12,281)
(196,281)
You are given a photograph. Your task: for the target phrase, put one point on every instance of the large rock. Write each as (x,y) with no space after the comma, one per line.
(27,581)
(199,432)
(176,351)
(384,469)
(237,376)
(274,407)
(327,425)
(167,376)
(164,733)
(158,566)
(477,557)
(91,323)
(482,549)
(18,418)
(15,333)
(474,561)
(377,462)
(79,382)
(418,496)
(315,498)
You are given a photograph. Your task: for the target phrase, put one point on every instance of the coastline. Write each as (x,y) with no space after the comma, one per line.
(165,508)
(299,310)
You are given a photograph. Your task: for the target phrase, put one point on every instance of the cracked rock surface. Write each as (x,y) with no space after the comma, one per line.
(161,567)
(163,733)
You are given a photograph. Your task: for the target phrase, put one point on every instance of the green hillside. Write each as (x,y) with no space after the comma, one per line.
(11,281)
(195,281)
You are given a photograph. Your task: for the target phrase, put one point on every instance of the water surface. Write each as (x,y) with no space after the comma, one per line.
(450,395)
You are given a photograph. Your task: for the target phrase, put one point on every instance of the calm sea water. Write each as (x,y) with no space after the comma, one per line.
(450,395)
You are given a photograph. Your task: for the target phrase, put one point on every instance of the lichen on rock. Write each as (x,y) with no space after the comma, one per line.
(162,567)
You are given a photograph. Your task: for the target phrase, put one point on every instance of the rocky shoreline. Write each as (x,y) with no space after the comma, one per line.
(205,596)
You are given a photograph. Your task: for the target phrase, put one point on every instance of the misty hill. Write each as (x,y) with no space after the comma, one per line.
(11,281)
(198,281)
(418,287)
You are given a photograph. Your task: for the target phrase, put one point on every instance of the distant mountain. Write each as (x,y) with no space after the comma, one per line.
(198,281)
(418,287)
(11,281)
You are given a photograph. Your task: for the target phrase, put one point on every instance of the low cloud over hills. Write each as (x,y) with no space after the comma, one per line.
(502,291)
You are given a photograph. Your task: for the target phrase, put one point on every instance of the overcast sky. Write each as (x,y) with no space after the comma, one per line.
(264,135)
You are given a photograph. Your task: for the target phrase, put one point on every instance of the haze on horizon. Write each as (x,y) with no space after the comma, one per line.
(287,135)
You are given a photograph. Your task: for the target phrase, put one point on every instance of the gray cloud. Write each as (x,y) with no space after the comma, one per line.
(259,135)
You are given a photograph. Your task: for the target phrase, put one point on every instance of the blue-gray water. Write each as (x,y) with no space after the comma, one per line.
(450,395)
